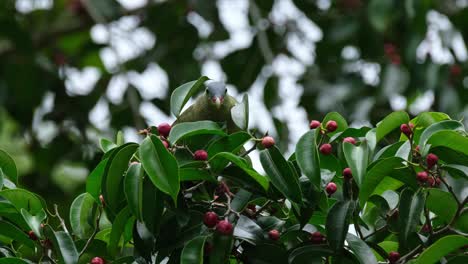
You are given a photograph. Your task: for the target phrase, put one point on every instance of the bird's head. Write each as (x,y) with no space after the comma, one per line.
(215,92)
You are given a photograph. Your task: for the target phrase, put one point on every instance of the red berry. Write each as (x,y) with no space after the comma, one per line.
(164,129)
(224,227)
(32,235)
(331,188)
(210,219)
(274,234)
(405,129)
(426,228)
(422,176)
(416,149)
(350,140)
(395,59)
(98,260)
(455,70)
(347,173)
(326,149)
(268,142)
(431,160)
(314,124)
(393,256)
(431,181)
(331,126)
(200,155)
(316,237)
(437,182)
(389,48)
(165,143)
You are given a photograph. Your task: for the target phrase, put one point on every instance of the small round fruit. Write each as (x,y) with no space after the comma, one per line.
(224,227)
(331,188)
(406,129)
(431,181)
(274,234)
(426,228)
(326,149)
(431,160)
(314,124)
(200,155)
(268,142)
(164,129)
(347,173)
(422,176)
(165,143)
(32,235)
(393,256)
(98,260)
(316,237)
(331,126)
(350,140)
(210,219)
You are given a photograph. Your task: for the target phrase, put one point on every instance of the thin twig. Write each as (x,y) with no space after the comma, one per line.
(193,188)
(375,232)
(62,222)
(254,147)
(449,188)
(228,204)
(96,230)
(264,206)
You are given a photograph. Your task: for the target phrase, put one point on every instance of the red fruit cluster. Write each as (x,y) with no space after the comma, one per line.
(431,160)
(422,176)
(406,129)
(274,235)
(200,155)
(210,219)
(317,237)
(331,188)
(392,53)
(331,126)
(326,149)
(347,174)
(314,124)
(32,235)
(393,256)
(350,140)
(268,142)
(224,227)
(98,260)
(164,129)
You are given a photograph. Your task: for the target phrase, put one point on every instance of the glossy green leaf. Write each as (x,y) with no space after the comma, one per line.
(388,151)
(94,180)
(188,129)
(357,158)
(182,94)
(82,215)
(13,261)
(160,165)
(339,119)
(350,132)
(193,251)
(247,229)
(8,166)
(337,224)
(240,113)
(448,125)
(307,157)
(380,13)
(64,246)
(231,143)
(362,251)
(21,198)
(196,174)
(222,248)
(266,253)
(281,174)
(456,170)
(309,254)
(241,163)
(34,221)
(410,209)
(106,144)
(118,227)
(442,204)
(390,123)
(133,188)
(2,176)
(404,151)
(450,139)
(14,233)
(441,248)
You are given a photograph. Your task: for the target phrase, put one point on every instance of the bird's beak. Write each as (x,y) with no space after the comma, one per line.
(218,101)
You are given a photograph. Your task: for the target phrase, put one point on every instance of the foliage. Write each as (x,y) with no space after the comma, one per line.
(148,202)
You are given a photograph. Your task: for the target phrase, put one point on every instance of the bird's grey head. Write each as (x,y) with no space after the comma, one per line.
(216,91)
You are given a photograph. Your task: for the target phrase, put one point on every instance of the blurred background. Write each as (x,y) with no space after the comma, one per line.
(74,71)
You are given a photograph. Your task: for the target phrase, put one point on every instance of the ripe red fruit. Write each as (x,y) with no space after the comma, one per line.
(422,176)
(165,143)
(268,142)
(314,124)
(393,256)
(426,228)
(164,129)
(405,129)
(98,260)
(455,70)
(316,237)
(331,188)
(326,149)
(347,173)
(350,140)
(32,235)
(200,155)
(431,160)
(431,181)
(274,234)
(210,219)
(331,126)
(437,182)
(224,227)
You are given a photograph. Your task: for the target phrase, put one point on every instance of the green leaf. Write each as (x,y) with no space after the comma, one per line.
(357,158)
(94,180)
(82,215)
(442,204)
(247,229)
(196,174)
(240,113)
(113,180)
(441,248)
(337,224)
(309,254)
(456,170)
(307,157)
(188,129)
(266,253)
(390,123)
(13,261)
(241,163)
(2,176)
(222,248)
(64,246)
(231,143)
(152,206)
(448,125)
(34,221)
(8,166)
(410,209)
(362,251)
(450,139)
(14,233)
(404,151)
(182,94)
(280,173)
(118,227)
(133,188)
(21,198)
(193,251)
(160,165)
(339,119)
(380,14)
(426,119)
(106,144)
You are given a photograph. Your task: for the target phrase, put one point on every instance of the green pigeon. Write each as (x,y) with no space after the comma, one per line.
(214,104)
